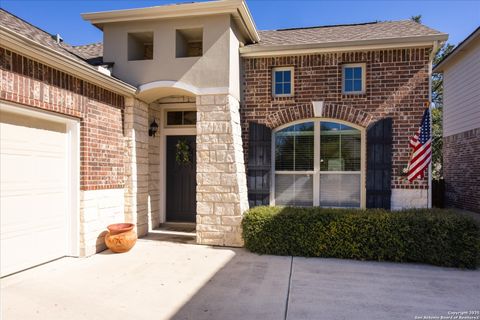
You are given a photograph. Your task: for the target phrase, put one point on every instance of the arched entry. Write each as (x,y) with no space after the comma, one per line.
(152,91)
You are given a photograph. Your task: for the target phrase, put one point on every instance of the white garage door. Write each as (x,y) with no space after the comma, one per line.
(33,191)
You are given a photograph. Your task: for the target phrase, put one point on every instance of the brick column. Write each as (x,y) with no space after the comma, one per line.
(136,164)
(221,181)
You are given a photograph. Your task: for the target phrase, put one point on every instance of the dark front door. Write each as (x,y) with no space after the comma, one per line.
(181,178)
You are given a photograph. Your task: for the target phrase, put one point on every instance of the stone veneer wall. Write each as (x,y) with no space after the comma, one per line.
(409,198)
(154,158)
(98,209)
(221,181)
(136,159)
(461,170)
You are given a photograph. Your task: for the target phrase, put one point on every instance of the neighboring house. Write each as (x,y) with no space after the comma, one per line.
(203,116)
(461,123)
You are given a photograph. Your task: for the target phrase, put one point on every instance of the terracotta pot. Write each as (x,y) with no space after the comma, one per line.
(120,237)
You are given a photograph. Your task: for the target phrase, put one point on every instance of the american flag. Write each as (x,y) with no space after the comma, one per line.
(421,144)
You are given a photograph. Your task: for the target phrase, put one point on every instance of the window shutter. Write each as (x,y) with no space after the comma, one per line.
(259,164)
(379,164)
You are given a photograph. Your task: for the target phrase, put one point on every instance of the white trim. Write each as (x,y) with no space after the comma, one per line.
(295,172)
(317,172)
(72,247)
(167,84)
(237,8)
(184,88)
(73,219)
(292,81)
(364,77)
(341,46)
(34,50)
(317,108)
(316,164)
(170,131)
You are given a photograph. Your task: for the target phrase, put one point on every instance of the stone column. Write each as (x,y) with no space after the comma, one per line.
(136,164)
(221,181)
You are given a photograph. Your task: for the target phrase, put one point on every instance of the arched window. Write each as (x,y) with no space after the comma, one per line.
(318,163)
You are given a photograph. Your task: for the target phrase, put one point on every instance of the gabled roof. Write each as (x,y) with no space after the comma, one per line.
(462,46)
(24,28)
(388,32)
(32,41)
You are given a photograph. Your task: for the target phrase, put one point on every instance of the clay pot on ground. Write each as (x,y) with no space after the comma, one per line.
(120,237)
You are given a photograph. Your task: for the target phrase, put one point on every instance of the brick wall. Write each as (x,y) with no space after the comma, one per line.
(461,170)
(100,111)
(396,86)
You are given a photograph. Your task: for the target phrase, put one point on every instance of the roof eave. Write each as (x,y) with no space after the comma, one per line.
(440,67)
(24,45)
(342,45)
(234,7)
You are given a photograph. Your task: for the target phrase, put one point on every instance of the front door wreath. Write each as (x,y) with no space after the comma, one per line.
(182,155)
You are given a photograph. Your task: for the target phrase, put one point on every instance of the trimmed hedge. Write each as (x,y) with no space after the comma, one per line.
(435,236)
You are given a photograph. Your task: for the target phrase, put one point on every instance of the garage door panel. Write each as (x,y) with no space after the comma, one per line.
(33,191)
(27,250)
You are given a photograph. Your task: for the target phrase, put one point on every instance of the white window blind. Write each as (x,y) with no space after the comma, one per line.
(340,190)
(294,190)
(294,149)
(318,163)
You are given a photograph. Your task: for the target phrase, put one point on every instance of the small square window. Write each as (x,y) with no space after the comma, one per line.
(189,117)
(140,46)
(353,79)
(181,118)
(174,118)
(189,43)
(282,84)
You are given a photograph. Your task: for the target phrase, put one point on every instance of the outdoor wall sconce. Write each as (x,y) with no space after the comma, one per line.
(153,128)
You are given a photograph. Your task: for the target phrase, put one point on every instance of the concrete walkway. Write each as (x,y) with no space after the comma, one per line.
(164,280)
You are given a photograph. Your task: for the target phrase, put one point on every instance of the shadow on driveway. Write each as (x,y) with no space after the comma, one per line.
(165,280)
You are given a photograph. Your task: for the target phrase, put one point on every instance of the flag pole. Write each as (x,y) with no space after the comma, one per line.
(429,192)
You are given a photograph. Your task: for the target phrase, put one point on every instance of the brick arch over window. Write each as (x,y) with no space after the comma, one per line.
(329,110)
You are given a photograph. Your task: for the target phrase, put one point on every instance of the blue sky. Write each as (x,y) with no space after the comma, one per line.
(457,18)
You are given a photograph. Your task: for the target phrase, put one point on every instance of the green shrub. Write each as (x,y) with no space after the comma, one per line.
(434,236)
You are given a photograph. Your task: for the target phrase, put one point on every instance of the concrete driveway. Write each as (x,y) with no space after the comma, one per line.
(164,280)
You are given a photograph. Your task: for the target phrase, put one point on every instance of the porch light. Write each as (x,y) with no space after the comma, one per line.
(153,128)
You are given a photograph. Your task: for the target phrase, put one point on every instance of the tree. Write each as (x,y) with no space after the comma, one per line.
(437,113)
(417,18)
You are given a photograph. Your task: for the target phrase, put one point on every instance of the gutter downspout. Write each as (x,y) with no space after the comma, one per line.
(436,45)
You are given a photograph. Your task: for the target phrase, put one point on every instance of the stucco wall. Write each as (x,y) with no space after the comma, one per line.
(209,70)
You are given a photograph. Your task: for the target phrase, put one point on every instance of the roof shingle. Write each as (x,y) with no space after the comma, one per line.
(343,33)
(42,37)
(92,53)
